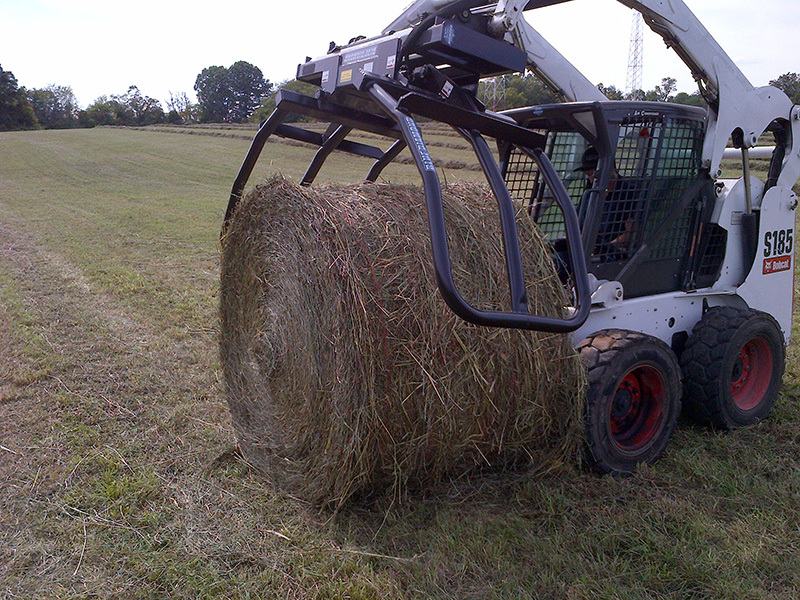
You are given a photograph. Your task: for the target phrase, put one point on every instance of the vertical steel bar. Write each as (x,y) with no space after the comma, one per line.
(267,128)
(508,220)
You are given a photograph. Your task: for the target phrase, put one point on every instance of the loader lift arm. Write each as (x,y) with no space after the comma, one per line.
(734,103)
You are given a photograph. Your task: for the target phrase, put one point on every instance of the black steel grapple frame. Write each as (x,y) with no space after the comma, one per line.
(386,105)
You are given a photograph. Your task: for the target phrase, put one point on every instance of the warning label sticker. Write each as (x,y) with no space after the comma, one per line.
(777,264)
(359,55)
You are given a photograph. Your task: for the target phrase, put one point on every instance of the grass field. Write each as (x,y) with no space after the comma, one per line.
(118,471)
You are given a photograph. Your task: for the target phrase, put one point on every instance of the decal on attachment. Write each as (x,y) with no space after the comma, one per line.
(419,145)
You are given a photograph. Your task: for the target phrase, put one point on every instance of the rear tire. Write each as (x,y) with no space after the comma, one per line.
(633,399)
(732,367)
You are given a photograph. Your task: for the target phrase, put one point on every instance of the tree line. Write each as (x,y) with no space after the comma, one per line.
(241,93)
(527,90)
(224,94)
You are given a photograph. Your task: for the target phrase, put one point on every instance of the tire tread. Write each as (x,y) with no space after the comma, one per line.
(599,351)
(701,359)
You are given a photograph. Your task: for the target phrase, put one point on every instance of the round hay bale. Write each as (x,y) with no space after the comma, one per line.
(344,369)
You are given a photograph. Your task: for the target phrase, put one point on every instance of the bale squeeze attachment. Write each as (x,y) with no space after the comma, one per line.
(380,87)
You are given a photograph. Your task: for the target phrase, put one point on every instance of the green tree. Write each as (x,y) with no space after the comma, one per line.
(16,111)
(532,91)
(661,93)
(667,88)
(211,86)
(142,109)
(248,88)
(181,109)
(693,99)
(611,92)
(635,95)
(55,106)
(790,84)
(521,90)
(230,95)
(103,111)
(131,109)
(268,104)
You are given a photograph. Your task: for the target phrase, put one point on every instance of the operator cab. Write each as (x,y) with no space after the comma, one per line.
(644,215)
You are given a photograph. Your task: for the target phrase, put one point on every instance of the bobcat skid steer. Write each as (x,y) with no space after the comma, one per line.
(682,281)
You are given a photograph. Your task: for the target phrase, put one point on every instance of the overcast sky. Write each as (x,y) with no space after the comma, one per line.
(101,47)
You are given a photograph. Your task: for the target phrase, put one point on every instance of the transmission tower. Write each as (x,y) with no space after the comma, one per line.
(635,54)
(494,93)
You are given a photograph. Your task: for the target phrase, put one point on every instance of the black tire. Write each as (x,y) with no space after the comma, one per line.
(633,399)
(732,367)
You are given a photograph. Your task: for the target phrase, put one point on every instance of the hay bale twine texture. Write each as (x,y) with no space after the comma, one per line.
(346,372)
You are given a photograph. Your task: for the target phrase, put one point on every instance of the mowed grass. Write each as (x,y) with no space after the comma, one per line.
(118,471)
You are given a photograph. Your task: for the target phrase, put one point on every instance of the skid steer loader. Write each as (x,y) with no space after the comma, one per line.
(682,281)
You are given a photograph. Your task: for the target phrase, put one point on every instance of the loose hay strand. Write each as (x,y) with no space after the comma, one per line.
(346,372)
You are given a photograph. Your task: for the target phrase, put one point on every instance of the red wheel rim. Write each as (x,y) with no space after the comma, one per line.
(751,374)
(637,409)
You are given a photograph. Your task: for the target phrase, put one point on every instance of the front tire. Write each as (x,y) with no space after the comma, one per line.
(633,399)
(733,366)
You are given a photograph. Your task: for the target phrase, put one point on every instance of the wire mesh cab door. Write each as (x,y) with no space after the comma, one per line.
(658,188)
(641,213)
